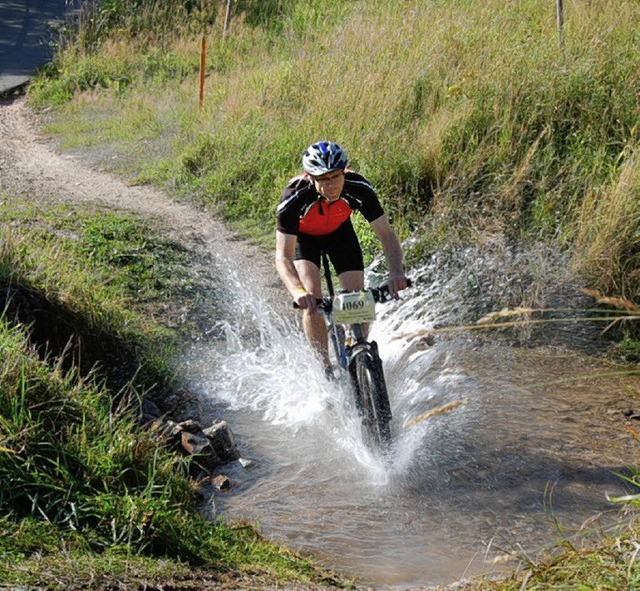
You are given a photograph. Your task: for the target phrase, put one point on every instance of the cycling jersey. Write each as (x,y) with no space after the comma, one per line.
(302,210)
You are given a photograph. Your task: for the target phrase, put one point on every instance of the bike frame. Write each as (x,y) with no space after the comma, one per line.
(336,332)
(360,358)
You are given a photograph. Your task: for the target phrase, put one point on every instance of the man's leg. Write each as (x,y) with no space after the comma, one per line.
(313,323)
(352,280)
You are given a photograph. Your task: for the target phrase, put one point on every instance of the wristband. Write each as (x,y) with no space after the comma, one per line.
(301,290)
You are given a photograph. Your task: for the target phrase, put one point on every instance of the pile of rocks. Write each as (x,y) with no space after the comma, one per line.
(209,448)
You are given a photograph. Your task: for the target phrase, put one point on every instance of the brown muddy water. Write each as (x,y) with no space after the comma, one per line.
(530,452)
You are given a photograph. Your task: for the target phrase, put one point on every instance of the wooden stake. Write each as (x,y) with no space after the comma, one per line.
(203,67)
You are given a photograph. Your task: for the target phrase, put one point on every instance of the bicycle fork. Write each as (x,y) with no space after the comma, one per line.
(371,350)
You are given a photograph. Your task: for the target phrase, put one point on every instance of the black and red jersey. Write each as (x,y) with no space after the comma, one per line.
(302,210)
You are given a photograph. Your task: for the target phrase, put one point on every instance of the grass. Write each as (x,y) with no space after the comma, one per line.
(469,117)
(87,493)
(609,232)
(72,276)
(476,126)
(613,566)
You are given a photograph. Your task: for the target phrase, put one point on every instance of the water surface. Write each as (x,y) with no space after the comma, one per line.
(528,456)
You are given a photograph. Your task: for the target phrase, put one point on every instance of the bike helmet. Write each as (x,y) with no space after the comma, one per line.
(323,157)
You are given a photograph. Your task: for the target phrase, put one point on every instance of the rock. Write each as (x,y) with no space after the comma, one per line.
(222,441)
(190,426)
(194,443)
(198,446)
(246,463)
(150,412)
(221,482)
(182,405)
(211,447)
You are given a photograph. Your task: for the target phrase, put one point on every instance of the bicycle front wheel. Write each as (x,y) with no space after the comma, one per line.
(372,399)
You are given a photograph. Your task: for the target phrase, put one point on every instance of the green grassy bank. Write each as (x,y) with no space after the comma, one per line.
(90,497)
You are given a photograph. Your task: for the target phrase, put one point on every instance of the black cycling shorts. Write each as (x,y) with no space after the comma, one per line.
(342,246)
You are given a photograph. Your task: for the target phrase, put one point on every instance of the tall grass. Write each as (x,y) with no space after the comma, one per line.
(469,117)
(69,460)
(608,239)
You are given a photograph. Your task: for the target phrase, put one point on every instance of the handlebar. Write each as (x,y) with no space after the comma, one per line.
(380,294)
(322,303)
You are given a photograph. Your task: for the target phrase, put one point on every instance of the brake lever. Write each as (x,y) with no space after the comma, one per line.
(383,293)
(320,301)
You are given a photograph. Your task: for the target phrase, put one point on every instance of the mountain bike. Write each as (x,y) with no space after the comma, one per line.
(347,313)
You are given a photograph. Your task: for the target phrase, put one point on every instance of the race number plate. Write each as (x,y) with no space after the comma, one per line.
(354,307)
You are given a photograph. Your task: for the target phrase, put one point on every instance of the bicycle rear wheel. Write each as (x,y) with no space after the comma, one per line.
(372,398)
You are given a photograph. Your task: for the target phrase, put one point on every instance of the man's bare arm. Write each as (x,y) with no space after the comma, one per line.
(285,251)
(392,252)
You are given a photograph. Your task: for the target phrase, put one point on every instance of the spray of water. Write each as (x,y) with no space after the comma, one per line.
(451,480)
(261,362)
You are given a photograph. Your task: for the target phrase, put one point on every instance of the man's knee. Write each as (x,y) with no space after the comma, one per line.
(315,317)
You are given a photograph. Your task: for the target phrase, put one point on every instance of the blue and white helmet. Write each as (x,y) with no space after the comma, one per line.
(323,157)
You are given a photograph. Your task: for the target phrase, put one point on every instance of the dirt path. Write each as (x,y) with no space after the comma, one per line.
(30,167)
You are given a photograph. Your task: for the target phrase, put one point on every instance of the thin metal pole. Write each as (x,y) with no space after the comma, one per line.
(560,13)
(227,20)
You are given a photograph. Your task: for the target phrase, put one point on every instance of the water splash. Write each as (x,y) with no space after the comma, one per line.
(424,513)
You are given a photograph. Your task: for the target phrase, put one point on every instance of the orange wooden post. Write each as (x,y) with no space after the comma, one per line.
(227,20)
(203,67)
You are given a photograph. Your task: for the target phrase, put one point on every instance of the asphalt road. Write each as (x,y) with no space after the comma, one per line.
(25,38)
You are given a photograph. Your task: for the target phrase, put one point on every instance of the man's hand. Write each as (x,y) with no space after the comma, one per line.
(306,301)
(396,283)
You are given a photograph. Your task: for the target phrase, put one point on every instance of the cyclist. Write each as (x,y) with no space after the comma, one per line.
(314,214)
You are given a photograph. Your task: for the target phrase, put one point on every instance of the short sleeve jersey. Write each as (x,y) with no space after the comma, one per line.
(302,210)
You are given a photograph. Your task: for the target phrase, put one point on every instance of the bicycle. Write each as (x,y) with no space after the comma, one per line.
(346,314)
